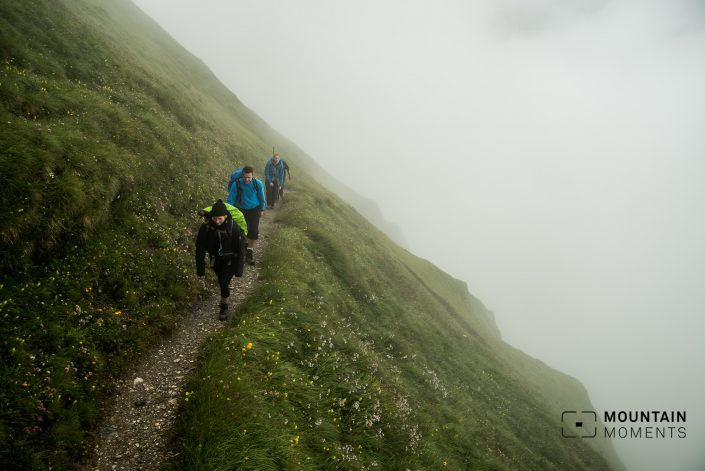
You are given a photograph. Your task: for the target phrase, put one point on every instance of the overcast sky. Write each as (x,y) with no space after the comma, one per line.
(551,153)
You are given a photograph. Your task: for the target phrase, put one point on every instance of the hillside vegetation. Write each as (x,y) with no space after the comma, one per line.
(351,353)
(347,358)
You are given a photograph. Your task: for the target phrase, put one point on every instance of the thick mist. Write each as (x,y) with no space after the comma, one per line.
(550,153)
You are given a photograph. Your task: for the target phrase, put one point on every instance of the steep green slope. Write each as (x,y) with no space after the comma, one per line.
(343,359)
(112,134)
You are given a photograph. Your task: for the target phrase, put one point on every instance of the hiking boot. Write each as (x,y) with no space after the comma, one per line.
(223,312)
(250,257)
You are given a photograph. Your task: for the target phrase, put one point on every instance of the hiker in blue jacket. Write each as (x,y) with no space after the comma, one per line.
(247,194)
(275,176)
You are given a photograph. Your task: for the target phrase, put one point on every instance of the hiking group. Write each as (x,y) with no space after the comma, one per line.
(230,230)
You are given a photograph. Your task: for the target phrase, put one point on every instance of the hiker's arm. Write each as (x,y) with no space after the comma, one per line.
(268,173)
(201,240)
(262,197)
(232,195)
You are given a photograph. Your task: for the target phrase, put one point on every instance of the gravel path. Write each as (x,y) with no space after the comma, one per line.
(137,423)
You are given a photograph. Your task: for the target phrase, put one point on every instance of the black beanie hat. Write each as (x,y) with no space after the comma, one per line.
(219,209)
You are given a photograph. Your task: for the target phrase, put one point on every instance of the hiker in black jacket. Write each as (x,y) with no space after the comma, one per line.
(225,242)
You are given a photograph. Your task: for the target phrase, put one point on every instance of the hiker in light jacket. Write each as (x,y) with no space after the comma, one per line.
(223,238)
(247,194)
(275,176)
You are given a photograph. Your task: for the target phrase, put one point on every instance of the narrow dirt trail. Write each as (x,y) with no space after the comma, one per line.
(138,419)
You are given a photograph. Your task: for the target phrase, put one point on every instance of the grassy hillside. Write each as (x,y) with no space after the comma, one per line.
(344,359)
(112,135)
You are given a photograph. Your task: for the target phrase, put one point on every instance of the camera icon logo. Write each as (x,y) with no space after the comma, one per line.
(579,424)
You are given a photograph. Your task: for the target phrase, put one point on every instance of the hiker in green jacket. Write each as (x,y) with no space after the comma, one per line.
(223,237)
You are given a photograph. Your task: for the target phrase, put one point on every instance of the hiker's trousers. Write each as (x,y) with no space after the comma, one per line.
(273,193)
(252,218)
(225,272)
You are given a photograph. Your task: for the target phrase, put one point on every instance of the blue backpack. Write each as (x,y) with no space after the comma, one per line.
(234,176)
